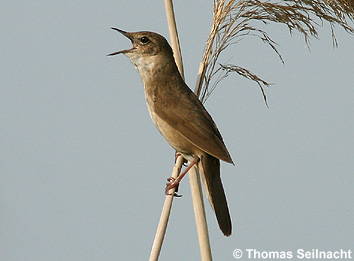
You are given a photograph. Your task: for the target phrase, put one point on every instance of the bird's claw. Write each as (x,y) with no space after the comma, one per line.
(177,195)
(170,180)
(172,184)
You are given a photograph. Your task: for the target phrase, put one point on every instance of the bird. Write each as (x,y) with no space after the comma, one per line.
(180,116)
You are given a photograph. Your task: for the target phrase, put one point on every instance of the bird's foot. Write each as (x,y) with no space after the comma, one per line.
(170,179)
(172,183)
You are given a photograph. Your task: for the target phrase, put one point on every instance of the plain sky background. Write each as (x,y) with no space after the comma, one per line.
(83,169)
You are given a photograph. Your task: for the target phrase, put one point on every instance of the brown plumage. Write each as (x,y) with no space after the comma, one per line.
(179,115)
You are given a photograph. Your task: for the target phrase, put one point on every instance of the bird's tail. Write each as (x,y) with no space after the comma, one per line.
(209,166)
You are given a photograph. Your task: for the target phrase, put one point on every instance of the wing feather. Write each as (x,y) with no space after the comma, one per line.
(187,115)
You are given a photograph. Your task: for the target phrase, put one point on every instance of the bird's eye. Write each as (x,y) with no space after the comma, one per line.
(144,40)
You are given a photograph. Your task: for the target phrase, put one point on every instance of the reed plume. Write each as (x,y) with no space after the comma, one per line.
(235,20)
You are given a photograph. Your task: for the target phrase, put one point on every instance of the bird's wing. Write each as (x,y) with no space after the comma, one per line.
(186,114)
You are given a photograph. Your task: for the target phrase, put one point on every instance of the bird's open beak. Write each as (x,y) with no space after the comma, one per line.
(126,34)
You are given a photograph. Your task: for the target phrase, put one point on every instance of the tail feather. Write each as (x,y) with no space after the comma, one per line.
(210,169)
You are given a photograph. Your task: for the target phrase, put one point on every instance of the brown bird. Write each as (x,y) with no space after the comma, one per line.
(180,116)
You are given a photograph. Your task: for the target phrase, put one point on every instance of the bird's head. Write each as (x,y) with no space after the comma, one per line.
(145,44)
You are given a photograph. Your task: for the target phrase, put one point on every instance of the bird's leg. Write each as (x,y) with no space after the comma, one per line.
(172,182)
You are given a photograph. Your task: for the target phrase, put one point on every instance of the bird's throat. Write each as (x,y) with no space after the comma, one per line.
(152,68)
